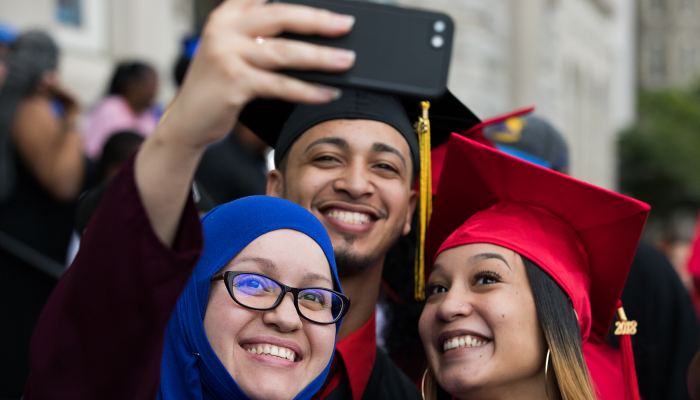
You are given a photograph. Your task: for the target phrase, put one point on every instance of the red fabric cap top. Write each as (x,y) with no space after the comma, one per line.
(478,129)
(583,236)
(476,133)
(542,237)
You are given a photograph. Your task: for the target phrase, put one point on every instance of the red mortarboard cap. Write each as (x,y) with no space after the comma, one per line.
(583,236)
(478,129)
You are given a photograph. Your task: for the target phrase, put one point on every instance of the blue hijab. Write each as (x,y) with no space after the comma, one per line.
(190,369)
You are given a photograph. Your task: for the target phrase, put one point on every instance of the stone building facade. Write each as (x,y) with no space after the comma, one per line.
(108,31)
(573,59)
(669,43)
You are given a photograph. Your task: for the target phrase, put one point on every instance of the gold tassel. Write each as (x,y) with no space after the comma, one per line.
(425,199)
(625,329)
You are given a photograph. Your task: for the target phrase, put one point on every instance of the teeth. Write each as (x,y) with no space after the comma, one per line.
(273,351)
(349,217)
(462,341)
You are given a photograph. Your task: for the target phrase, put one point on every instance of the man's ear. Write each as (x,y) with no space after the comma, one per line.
(275,184)
(412,201)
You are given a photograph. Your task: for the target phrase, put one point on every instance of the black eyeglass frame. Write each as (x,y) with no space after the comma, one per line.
(228,277)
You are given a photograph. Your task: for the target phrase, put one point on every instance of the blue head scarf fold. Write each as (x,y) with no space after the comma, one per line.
(190,369)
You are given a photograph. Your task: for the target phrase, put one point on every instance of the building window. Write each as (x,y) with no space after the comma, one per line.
(657,61)
(69,12)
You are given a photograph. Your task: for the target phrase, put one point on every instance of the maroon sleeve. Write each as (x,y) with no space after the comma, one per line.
(100,336)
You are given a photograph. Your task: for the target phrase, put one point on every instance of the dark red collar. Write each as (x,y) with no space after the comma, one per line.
(357,354)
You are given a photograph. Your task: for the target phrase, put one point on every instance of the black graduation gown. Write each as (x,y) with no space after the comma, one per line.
(668,335)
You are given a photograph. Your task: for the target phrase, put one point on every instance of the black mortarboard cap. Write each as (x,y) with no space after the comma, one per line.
(280,123)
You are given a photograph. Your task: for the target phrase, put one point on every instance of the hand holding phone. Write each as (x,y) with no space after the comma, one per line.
(399,50)
(229,70)
(231,67)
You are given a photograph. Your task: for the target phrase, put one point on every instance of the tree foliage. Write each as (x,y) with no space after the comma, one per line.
(660,155)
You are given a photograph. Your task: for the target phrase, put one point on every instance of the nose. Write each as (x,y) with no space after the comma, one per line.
(455,305)
(284,316)
(356,180)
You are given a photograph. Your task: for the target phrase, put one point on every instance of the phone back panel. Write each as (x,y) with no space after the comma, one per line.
(394,47)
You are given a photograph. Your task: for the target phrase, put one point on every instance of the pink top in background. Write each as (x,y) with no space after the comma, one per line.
(111,115)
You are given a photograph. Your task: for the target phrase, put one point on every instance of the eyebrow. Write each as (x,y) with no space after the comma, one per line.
(385,148)
(269,264)
(336,141)
(312,277)
(486,256)
(266,262)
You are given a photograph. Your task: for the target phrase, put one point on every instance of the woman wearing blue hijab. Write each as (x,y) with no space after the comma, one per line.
(209,336)
(119,325)
(257,318)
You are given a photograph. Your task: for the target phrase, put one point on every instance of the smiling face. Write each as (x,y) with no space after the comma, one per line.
(479,326)
(355,176)
(233,331)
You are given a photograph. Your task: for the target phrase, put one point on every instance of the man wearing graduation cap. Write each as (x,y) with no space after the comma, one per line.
(351,162)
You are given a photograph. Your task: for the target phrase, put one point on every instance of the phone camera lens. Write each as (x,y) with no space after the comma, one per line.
(437,41)
(439,26)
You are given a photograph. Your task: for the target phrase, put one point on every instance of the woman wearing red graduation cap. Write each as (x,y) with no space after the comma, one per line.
(528,268)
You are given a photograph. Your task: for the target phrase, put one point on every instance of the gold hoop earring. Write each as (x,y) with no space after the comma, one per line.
(422,383)
(546,369)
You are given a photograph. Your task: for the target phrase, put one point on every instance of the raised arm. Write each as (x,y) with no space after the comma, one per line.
(101,333)
(229,70)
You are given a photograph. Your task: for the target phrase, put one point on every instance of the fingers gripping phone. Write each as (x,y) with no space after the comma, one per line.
(399,50)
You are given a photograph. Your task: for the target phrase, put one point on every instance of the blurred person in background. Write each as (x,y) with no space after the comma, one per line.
(234,167)
(42,171)
(694,378)
(128,106)
(118,149)
(7,36)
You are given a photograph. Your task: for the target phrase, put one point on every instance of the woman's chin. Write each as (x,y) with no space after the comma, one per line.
(264,389)
(458,379)
(270,382)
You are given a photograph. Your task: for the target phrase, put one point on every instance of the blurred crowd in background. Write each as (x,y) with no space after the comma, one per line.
(59,152)
(56,161)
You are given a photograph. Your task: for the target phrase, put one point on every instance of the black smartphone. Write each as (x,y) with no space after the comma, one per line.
(399,50)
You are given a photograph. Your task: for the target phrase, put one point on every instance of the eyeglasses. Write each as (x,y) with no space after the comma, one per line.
(260,292)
